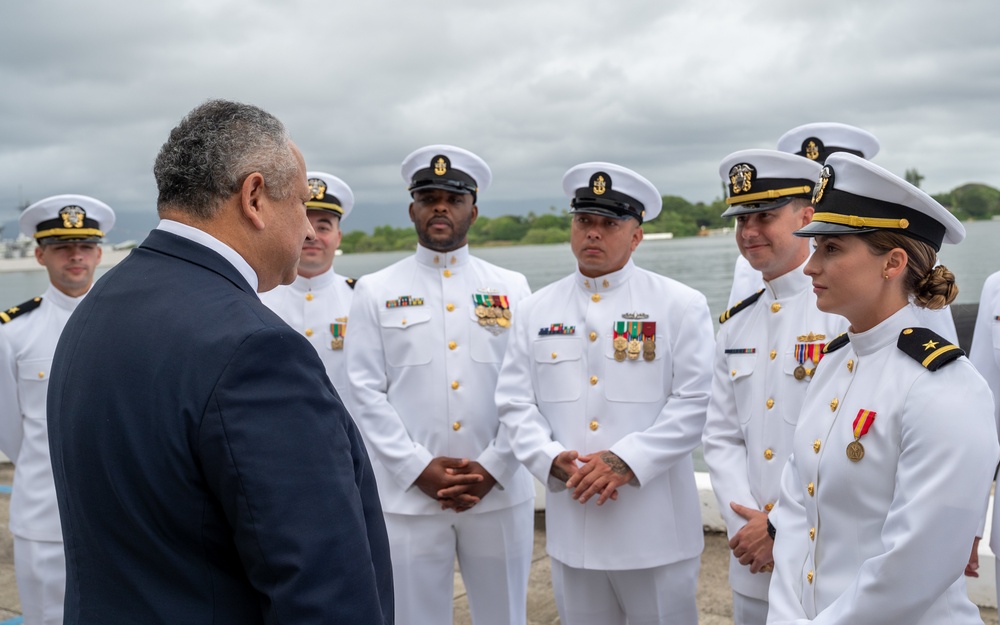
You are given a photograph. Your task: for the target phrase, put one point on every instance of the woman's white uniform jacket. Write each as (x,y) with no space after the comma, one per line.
(756,399)
(424,372)
(561,388)
(31,337)
(885,538)
(317,308)
(985,355)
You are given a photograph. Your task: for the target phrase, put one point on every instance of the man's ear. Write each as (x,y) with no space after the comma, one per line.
(252,198)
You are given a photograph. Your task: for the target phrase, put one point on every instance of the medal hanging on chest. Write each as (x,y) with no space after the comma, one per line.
(492,312)
(620,340)
(634,338)
(800,357)
(338,330)
(862,423)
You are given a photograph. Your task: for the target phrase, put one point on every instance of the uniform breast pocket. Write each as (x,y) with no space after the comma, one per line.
(558,368)
(487,343)
(33,385)
(643,379)
(406,334)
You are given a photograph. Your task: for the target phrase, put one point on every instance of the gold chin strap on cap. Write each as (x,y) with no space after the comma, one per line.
(773,194)
(861,222)
(337,208)
(69,232)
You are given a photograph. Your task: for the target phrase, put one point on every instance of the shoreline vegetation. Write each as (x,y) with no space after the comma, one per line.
(969,202)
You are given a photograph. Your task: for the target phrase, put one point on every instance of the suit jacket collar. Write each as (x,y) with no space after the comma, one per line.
(185,249)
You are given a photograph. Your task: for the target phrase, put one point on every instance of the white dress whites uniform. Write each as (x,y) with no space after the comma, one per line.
(766,352)
(985,355)
(893,456)
(29,333)
(318,308)
(424,373)
(564,387)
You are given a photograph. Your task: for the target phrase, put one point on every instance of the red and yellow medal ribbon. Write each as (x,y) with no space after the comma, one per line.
(863,422)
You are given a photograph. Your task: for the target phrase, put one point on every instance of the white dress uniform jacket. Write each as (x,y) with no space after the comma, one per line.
(424,373)
(756,398)
(561,389)
(884,539)
(32,337)
(985,355)
(317,307)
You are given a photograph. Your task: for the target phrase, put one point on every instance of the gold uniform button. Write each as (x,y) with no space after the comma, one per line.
(774,354)
(41,375)
(593,336)
(816,445)
(554,355)
(403,322)
(733,373)
(309,297)
(768,507)
(447,273)
(770,403)
(596,297)
(812,533)
(456,426)
(309,332)
(450,307)
(452,344)
(908,331)
(850,366)
(768,454)
(593,380)
(454,385)
(809,577)
(775,307)
(834,404)
(594,425)
(811,489)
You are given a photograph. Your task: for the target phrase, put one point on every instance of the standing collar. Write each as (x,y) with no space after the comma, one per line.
(324,279)
(885,333)
(200,236)
(442,260)
(607,282)
(789,284)
(60,299)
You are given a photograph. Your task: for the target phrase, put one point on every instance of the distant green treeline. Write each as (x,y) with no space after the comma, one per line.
(684,219)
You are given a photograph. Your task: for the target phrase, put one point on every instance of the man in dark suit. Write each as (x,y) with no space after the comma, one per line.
(205,467)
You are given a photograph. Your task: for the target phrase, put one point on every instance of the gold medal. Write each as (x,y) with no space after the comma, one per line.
(649,356)
(490,321)
(507,314)
(337,343)
(634,348)
(620,355)
(799,373)
(855,451)
(502,322)
(620,343)
(483,321)
(649,345)
(480,311)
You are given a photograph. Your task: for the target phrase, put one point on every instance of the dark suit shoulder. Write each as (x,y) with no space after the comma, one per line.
(931,350)
(741,305)
(16,311)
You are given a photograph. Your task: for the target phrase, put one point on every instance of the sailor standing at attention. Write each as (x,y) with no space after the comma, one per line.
(427,337)
(604,388)
(766,353)
(317,302)
(895,449)
(68,230)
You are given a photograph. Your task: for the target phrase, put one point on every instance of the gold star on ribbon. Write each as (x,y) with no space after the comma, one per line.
(930,345)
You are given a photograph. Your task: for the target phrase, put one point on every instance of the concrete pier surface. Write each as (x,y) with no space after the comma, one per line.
(714,599)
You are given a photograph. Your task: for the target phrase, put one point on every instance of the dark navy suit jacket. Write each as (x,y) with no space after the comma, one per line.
(205,467)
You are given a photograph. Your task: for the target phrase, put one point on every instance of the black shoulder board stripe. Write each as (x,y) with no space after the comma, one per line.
(837,343)
(929,349)
(20,309)
(724,317)
(351,282)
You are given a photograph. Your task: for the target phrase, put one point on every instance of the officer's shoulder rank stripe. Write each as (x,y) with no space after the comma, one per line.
(352,281)
(837,343)
(724,317)
(16,311)
(929,349)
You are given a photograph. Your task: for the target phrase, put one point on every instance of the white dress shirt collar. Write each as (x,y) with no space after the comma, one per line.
(442,260)
(200,236)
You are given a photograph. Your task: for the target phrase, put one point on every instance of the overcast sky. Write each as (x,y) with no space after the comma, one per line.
(89,90)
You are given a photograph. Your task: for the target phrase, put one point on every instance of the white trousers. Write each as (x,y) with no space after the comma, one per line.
(748,610)
(662,595)
(40,569)
(494,556)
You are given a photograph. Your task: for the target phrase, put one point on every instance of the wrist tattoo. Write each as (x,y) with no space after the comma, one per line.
(616,464)
(559,473)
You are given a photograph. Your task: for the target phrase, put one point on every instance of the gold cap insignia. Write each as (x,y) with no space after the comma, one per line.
(820,188)
(72,216)
(441,165)
(811,149)
(317,188)
(741,178)
(598,184)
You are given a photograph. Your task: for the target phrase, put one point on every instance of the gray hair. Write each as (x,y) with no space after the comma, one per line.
(212,151)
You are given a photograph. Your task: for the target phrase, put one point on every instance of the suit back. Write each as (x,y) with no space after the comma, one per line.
(206,470)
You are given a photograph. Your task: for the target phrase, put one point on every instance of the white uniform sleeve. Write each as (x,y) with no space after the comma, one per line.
(790,549)
(528,431)
(726,447)
(498,458)
(985,352)
(677,429)
(384,431)
(947,440)
(11,428)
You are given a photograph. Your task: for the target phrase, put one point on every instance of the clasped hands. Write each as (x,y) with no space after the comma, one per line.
(456,483)
(599,473)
